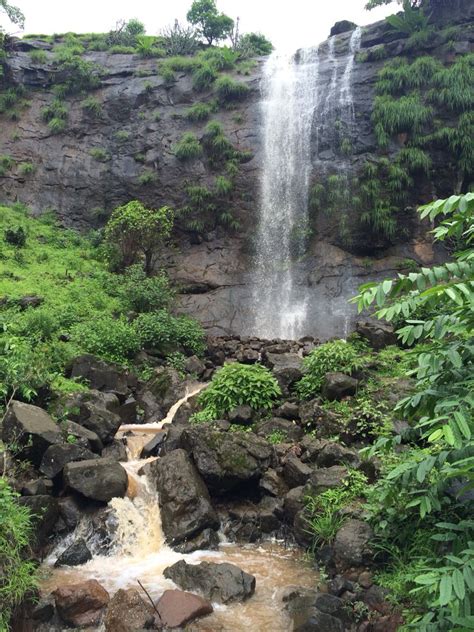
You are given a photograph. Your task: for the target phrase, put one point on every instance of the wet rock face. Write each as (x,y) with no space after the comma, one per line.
(177,608)
(186,508)
(97,479)
(81,604)
(74,555)
(223,583)
(127,611)
(227,460)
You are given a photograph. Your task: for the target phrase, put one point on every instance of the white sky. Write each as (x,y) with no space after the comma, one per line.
(287,23)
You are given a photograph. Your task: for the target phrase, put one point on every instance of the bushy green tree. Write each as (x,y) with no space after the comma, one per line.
(251,44)
(211,25)
(427,492)
(13,13)
(134,229)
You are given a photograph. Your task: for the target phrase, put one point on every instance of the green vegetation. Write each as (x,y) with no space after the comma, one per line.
(199,112)
(235,384)
(19,576)
(336,355)
(228,90)
(38,56)
(92,106)
(135,230)
(188,147)
(422,496)
(211,25)
(203,77)
(100,154)
(56,116)
(26,168)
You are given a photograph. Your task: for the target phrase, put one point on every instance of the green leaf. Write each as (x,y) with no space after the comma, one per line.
(458,584)
(445,590)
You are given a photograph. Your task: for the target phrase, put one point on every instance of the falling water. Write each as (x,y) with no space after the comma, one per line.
(289,97)
(346,100)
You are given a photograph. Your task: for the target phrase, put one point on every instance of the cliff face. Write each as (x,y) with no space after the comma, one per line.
(126,150)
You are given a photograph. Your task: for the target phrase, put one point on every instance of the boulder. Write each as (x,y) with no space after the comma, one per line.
(293,503)
(207,540)
(195,366)
(273,484)
(177,608)
(270,514)
(323,422)
(301,529)
(97,479)
(85,437)
(116,451)
(352,543)
(295,472)
(75,554)
(45,512)
(223,583)
(102,376)
(337,385)
(326,478)
(278,426)
(286,367)
(30,428)
(376,332)
(58,456)
(186,507)
(164,389)
(227,460)
(336,454)
(95,411)
(288,410)
(70,511)
(81,604)
(127,611)
(342,27)
(38,487)
(241,415)
(154,446)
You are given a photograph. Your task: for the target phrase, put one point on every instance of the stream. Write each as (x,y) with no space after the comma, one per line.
(138,551)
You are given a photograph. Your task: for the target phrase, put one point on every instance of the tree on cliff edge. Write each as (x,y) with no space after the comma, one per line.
(211,24)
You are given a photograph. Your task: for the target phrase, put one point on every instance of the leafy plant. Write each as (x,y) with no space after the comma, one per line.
(430,480)
(228,90)
(142,293)
(199,112)
(235,384)
(100,154)
(336,355)
(411,20)
(92,106)
(188,147)
(38,56)
(106,337)
(162,331)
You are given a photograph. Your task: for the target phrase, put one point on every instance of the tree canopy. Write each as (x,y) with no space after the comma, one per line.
(14,14)
(210,24)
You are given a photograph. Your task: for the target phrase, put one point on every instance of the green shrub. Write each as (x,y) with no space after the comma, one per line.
(147,177)
(235,384)
(15,236)
(19,576)
(99,154)
(203,77)
(406,114)
(26,168)
(92,106)
(167,74)
(222,58)
(162,331)
(38,56)
(188,147)
(253,44)
(78,75)
(121,136)
(336,355)
(148,47)
(229,90)
(57,125)
(199,112)
(145,294)
(118,49)
(106,337)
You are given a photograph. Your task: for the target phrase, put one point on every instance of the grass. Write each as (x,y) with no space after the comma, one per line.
(92,106)
(38,56)
(188,147)
(199,112)
(228,90)
(100,154)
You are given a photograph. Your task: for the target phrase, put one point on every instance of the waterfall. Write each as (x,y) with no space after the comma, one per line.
(304,98)
(289,97)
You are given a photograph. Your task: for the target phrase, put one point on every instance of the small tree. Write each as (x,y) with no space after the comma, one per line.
(133,230)
(14,14)
(211,24)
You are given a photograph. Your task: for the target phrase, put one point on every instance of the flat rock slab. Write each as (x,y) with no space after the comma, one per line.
(98,479)
(81,604)
(176,608)
(222,583)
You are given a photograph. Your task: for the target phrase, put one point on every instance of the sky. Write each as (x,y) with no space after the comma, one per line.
(288,24)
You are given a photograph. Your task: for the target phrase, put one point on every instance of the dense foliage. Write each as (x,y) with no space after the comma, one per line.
(18,576)
(425,494)
(235,384)
(211,25)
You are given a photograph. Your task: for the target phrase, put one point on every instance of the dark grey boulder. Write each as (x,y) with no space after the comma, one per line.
(186,507)
(286,367)
(75,554)
(102,376)
(273,484)
(326,478)
(195,366)
(337,454)
(39,487)
(154,446)
(44,514)
(342,27)
(277,425)
(376,332)
(70,511)
(57,456)
(84,436)
(295,472)
(96,411)
(31,429)
(288,410)
(227,460)
(223,583)
(241,415)
(352,543)
(314,417)
(337,385)
(115,451)
(293,502)
(207,540)
(97,479)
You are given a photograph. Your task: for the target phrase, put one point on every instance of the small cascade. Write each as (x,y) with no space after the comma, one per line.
(346,100)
